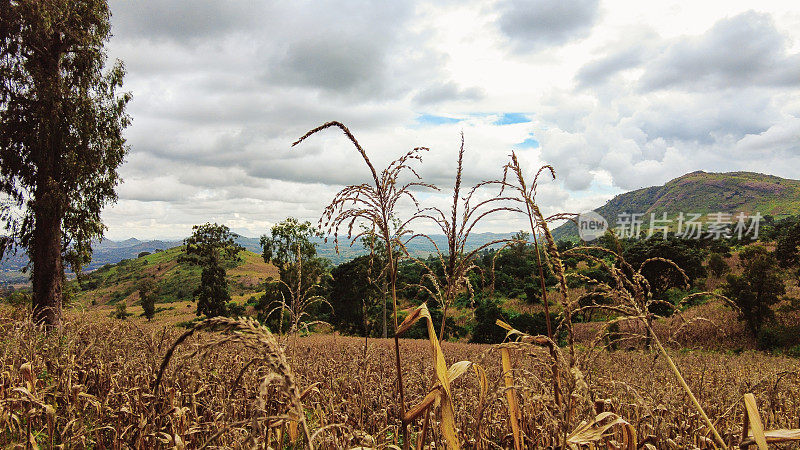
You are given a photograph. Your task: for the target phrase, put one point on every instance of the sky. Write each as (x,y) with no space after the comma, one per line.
(615,95)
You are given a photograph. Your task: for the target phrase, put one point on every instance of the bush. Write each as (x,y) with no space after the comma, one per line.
(121,311)
(779,337)
(18,298)
(717,265)
(236,310)
(486,331)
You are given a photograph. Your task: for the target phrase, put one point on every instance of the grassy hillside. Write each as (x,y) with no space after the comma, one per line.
(176,280)
(704,192)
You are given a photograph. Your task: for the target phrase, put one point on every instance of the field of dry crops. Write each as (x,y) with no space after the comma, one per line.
(93,385)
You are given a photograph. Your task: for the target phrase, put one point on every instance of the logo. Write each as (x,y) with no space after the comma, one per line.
(591,225)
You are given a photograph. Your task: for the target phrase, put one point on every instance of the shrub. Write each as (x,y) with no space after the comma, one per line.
(236,310)
(485,331)
(121,311)
(717,265)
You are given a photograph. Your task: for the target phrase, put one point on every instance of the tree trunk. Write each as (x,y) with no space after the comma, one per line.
(48,269)
(45,251)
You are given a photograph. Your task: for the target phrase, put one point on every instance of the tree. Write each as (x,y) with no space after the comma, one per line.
(147,296)
(61,123)
(757,288)
(717,265)
(352,293)
(289,244)
(289,247)
(209,246)
(662,276)
(121,311)
(787,248)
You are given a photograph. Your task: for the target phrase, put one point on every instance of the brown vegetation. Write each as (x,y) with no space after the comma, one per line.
(92,387)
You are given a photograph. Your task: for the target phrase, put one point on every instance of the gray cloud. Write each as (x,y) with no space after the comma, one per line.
(221,91)
(447,91)
(532,24)
(182,22)
(707,117)
(741,51)
(346,65)
(636,45)
(598,71)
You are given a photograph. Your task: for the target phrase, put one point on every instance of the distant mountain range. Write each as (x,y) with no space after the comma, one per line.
(703,193)
(112,252)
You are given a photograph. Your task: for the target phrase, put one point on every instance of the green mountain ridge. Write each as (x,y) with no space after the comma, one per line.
(703,193)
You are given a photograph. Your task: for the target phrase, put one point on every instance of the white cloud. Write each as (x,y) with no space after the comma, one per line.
(619,95)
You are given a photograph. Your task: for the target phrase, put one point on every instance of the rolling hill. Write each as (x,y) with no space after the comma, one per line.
(112,252)
(703,193)
(176,280)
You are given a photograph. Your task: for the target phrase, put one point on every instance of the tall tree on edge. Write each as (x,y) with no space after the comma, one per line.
(61,123)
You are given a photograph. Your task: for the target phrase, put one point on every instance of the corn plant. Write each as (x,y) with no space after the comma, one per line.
(375,204)
(456,225)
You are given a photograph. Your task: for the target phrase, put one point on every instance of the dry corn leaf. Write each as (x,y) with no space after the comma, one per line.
(590,433)
(511,396)
(754,421)
(448,420)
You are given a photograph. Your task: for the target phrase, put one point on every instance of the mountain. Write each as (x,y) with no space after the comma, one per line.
(703,193)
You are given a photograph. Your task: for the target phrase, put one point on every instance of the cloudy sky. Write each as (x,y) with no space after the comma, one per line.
(616,95)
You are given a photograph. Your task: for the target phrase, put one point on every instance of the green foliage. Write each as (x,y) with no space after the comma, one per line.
(660,275)
(288,241)
(787,248)
(147,296)
(142,254)
(516,271)
(18,298)
(757,288)
(236,310)
(351,292)
(61,142)
(212,295)
(121,311)
(485,330)
(209,246)
(290,249)
(779,337)
(717,265)
(488,310)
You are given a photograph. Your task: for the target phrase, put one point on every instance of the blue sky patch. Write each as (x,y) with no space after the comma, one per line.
(528,143)
(430,119)
(512,118)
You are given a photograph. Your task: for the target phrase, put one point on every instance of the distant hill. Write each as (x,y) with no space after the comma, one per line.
(703,193)
(176,280)
(114,282)
(112,252)
(417,247)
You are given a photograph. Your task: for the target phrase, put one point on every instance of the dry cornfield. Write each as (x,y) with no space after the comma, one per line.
(93,385)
